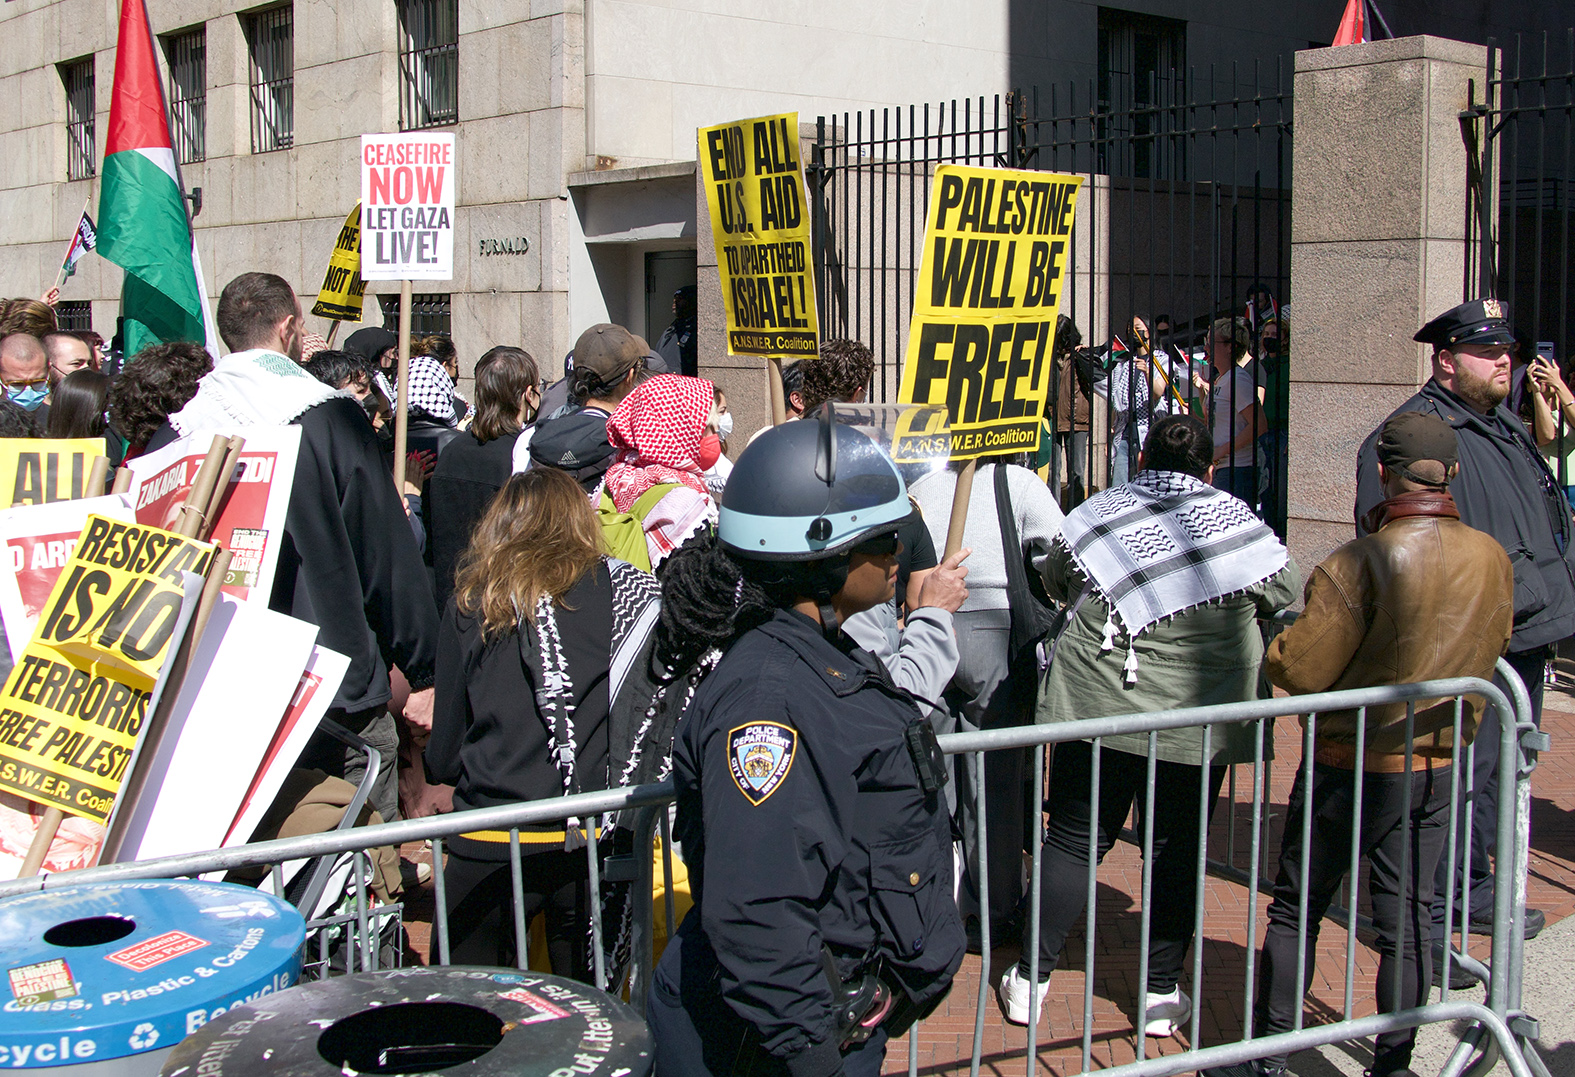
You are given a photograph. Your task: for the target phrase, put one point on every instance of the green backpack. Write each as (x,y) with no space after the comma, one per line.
(623,533)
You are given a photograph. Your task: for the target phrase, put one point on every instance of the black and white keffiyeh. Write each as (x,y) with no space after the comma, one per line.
(431,389)
(1165,543)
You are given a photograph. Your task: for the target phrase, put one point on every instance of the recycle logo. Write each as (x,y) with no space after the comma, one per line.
(144,1036)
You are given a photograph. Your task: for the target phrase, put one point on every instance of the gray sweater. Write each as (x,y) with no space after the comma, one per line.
(1038,523)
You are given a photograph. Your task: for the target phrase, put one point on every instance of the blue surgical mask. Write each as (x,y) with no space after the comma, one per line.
(28,397)
(724,426)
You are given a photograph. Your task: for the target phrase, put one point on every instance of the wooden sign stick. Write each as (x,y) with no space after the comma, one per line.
(778,391)
(221,487)
(960,499)
(402,408)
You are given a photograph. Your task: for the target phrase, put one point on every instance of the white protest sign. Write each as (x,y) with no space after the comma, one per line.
(408,185)
(243,675)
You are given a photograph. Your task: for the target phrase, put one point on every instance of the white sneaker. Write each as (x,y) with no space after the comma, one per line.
(1013,995)
(1167,1013)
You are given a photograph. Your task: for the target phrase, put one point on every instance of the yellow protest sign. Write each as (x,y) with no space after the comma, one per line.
(72,708)
(342,290)
(996,248)
(754,185)
(41,471)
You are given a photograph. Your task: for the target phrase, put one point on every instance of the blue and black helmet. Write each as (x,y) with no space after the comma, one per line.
(808,490)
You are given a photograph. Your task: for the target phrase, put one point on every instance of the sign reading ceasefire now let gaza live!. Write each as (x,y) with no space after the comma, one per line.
(996,249)
(754,186)
(408,186)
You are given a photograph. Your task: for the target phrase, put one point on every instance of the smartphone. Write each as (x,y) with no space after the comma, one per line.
(1545,351)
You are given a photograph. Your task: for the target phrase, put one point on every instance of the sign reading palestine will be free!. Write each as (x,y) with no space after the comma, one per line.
(996,249)
(754,185)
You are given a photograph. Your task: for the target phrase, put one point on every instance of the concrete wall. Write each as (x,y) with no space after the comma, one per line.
(658,69)
(1377,249)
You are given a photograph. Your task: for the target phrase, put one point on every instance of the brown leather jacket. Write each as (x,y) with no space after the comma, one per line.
(1073,405)
(1421,598)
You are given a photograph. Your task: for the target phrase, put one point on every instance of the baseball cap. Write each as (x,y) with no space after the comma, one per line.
(609,352)
(1412,437)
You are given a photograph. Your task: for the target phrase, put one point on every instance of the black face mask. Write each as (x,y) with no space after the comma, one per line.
(1271,346)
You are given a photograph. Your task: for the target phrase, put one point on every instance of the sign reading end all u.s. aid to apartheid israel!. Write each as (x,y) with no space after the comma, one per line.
(996,250)
(79,694)
(754,186)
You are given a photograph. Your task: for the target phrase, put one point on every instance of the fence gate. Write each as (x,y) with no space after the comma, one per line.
(1184,218)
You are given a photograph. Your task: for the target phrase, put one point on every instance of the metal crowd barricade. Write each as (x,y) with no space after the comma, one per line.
(1498,1028)
(1510,1030)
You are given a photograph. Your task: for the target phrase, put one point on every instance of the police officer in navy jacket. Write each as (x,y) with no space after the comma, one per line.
(811,807)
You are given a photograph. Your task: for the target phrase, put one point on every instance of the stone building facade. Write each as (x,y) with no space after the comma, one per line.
(575,126)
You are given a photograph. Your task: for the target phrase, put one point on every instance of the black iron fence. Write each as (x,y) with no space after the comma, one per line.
(1183,220)
(1523,137)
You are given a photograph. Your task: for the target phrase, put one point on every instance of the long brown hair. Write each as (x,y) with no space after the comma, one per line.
(503,376)
(538,537)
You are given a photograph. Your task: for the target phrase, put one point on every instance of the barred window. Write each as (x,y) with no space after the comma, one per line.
(428,63)
(80,160)
(1141,76)
(74,316)
(270,38)
(188,60)
(429,313)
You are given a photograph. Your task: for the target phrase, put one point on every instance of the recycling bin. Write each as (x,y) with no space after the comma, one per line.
(106,978)
(491,1022)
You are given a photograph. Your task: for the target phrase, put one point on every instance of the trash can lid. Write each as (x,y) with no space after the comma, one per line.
(416,1020)
(105,970)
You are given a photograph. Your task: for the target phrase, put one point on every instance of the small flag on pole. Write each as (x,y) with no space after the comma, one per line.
(1361,22)
(85,239)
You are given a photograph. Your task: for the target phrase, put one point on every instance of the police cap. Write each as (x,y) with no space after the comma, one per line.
(1481,321)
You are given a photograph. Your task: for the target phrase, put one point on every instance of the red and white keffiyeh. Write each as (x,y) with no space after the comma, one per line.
(656,434)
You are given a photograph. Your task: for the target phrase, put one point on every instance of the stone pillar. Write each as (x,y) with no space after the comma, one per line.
(1378,247)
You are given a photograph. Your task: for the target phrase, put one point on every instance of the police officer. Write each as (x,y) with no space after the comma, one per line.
(1504,488)
(810,789)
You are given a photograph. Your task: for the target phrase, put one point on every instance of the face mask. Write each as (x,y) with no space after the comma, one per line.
(724,426)
(710,452)
(27,398)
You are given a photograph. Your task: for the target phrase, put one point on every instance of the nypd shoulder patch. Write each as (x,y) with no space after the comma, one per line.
(760,755)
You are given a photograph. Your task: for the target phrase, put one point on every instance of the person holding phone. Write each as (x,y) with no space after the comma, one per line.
(1555,430)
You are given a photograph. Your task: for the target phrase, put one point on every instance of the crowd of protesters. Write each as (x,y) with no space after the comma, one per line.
(581,588)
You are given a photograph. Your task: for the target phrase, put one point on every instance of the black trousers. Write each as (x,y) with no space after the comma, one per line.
(481,909)
(1063,866)
(1389,832)
(1483,807)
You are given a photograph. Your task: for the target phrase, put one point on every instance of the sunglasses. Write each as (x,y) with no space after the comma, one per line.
(36,383)
(880,546)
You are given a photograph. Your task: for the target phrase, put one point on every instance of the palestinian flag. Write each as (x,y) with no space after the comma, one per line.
(143,227)
(1361,22)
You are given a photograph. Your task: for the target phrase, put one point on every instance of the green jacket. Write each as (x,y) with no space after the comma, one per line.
(1208,655)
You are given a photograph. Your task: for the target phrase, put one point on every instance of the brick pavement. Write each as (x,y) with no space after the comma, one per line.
(946,1039)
